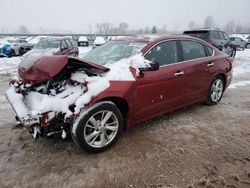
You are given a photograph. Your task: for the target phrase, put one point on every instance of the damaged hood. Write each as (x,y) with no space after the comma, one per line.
(37,69)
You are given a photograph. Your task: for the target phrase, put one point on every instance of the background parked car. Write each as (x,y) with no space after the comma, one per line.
(98,42)
(248,42)
(55,46)
(5,48)
(15,45)
(217,38)
(240,42)
(83,41)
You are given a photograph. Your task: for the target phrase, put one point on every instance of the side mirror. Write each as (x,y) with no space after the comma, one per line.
(154,66)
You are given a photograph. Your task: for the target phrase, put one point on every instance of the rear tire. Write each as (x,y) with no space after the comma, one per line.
(98,128)
(216,91)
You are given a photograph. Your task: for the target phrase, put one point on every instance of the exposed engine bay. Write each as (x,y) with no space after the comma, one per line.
(41,101)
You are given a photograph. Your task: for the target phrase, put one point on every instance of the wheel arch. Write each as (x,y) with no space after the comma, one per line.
(224,79)
(121,103)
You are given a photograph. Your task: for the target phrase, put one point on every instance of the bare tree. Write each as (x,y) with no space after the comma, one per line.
(230,27)
(146,30)
(123,27)
(99,28)
(107,27)
(239,28)
(23,29)
(192,25)
(164,28)
(154,30)
(176,26)
(209,22)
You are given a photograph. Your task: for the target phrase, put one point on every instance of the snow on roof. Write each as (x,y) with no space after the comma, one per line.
(82,39)
(99,40)
(37,39)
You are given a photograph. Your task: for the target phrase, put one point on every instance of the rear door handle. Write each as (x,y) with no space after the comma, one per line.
(210,64)
(179,73)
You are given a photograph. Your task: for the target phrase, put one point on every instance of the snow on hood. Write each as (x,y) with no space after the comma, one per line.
(82,94)
(41,52)
(118,71)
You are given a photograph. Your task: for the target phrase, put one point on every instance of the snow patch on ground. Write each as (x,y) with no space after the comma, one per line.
(238,84)
(84,50)
(9,65)
(241,64)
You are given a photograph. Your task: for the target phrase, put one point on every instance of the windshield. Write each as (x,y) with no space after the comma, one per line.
(45,44)
(114,51)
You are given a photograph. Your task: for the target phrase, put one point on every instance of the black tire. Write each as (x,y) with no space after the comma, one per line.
(248,45)
(211,98)
(93,142)
(12,53)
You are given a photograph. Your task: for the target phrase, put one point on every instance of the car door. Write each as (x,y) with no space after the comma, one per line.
(64,48)
(71,48)
(162,90)
(196,61)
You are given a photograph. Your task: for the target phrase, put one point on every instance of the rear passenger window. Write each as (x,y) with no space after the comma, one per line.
(209,51)
(164,53)
(192,50)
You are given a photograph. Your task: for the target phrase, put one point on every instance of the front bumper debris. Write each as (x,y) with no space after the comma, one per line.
(24,115)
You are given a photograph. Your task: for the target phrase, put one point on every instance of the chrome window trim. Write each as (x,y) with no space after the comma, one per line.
(166,40)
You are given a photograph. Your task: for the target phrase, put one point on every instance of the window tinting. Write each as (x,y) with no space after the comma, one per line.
(221,34)
(64,45)
(164,53)
(192,50)
(215,35)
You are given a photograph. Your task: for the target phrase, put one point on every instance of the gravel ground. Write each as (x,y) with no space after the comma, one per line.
(199,146)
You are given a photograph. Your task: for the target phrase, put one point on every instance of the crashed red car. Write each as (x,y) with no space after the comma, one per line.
(116,86)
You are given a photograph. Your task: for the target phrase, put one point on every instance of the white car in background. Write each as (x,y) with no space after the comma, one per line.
(83,41)
(98,42)
(241,40)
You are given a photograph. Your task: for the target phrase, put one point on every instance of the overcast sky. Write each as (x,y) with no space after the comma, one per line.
(77,15)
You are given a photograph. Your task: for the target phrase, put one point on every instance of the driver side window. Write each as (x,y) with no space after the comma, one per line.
(164,53)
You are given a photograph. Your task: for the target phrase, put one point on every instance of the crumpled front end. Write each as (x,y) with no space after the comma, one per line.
(46,108)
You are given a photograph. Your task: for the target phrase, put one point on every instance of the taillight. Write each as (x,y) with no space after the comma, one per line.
(230,59)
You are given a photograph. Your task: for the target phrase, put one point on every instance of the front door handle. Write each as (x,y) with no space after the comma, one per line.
(210,64)
(179,73)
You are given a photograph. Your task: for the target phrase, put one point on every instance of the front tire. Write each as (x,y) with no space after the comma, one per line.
(99,127)
(12,53)
(216,90)
(233,54)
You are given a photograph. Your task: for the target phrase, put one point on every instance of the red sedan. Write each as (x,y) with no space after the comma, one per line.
(180,71)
